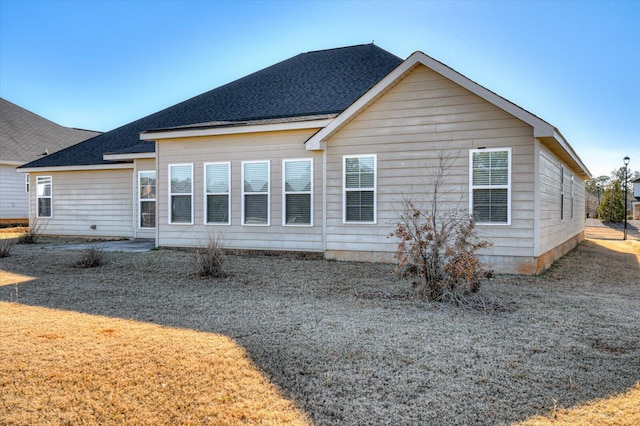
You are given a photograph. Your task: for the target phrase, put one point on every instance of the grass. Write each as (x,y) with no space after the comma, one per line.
(329,342)
(62,367)
(619,410)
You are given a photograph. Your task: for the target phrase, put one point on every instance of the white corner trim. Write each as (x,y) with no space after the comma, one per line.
(231,130)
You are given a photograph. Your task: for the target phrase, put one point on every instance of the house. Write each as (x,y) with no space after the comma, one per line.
(315,154)
(25,136)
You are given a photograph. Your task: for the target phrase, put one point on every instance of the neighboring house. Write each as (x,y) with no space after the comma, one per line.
(635,205)
(315,154)
(25,136)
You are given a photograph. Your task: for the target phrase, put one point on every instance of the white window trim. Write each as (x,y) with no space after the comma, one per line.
(561,193)
(27,182)
(179,193)
(507,186)
(141,200)
(285,192)
(268,163)
(44,196)
(228,193)
(345,189)
(572,204)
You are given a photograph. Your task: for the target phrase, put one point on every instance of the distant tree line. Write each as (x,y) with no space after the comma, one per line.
(605,195)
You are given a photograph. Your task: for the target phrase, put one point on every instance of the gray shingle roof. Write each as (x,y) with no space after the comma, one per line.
(312,83)
(24,136)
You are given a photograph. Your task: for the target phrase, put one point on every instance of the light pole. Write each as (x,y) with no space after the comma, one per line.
(626,163)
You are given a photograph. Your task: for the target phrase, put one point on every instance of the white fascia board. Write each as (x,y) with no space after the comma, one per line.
(132,156)
(76,168)
(566,147)
(541,127)
(232,130)
(317,141)
(11,163)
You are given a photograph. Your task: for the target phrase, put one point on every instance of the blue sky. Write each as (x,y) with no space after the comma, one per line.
(101,64)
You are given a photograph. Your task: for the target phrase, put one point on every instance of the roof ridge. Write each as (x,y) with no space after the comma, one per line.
(339,48)
(319,82)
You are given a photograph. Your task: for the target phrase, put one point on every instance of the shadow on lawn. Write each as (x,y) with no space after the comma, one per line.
(376,361)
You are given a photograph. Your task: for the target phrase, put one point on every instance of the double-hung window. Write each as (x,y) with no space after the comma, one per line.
(27,182)
(255,193)
(297,192)
(572,196)
(217,177)
(561,192)
(147,194)
(44,196)
(490,182)
(181,193)
(359,189)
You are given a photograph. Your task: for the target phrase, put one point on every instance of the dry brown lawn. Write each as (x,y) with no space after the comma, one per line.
(143,340)
(61,367)
(13,232)
(622,409)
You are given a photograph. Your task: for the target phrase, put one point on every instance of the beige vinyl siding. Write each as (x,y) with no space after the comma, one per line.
(271,146)
(80,199)
(553,230)
(141,165)
(421,118)
(14,201)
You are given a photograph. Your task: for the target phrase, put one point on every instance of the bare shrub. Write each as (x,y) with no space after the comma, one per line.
(6,246)
(33,232)
(210,258)
(439,246)
(92,257)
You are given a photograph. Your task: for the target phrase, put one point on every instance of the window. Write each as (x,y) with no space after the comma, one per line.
(297,192)
(572,196)
(359,195)
(181,193)
(44,195)
(217,193)
(147,196)
(561,192)
(490,200)
(255,192)
(27,181)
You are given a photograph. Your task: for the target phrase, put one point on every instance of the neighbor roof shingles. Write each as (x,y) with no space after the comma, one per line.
(312,83)
(25,135)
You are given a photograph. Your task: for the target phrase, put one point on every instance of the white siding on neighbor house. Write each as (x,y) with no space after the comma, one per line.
(426,116)
(270,146)
(554,230)
(142,165)
(80,199)
(14,201)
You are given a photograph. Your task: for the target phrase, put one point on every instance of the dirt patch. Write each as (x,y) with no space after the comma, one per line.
(349,344)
